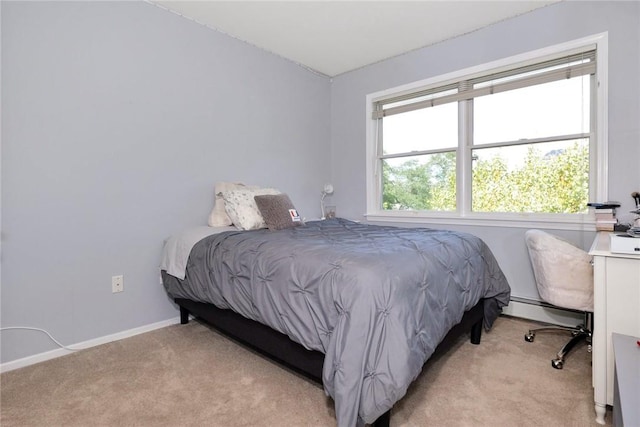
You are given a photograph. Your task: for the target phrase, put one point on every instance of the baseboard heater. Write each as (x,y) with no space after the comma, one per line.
(542,304)
(541,311)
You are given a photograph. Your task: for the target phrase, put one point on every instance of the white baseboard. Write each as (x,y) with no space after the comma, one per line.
(543,314)
(48,355)
(515,309)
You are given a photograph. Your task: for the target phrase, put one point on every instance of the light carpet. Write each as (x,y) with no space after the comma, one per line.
(189,375)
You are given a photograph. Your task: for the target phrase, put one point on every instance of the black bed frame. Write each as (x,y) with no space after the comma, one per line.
(280,348)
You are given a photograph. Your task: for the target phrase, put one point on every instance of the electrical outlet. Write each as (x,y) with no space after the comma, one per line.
(117,284)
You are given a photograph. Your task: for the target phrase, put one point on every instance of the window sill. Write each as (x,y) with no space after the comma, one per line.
(550,221)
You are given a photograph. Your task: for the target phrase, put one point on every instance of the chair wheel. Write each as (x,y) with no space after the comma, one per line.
(557,363)
(529,337)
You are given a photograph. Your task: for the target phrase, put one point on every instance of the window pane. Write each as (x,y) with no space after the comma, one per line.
(425,182)
(551,109)
(426,129)
(548,177)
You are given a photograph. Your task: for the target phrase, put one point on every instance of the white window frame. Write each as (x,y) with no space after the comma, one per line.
(598,188)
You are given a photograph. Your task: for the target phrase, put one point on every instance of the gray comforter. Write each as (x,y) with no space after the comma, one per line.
(375,300)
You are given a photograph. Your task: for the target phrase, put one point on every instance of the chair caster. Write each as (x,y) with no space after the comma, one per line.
(557,363)
(529,337)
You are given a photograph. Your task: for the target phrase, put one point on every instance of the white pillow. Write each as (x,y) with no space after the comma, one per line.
(242,208)
(218,216)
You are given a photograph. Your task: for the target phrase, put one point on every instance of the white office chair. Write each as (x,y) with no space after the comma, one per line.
(564,277)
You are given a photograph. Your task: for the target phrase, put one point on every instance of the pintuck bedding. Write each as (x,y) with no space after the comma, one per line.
(376,300)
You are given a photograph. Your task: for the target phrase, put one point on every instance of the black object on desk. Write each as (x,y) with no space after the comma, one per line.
(604,205)
(621,227)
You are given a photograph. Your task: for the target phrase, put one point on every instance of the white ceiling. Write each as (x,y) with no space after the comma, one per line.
(333,37)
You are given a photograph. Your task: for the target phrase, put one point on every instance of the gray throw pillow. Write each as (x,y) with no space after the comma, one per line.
(278,211)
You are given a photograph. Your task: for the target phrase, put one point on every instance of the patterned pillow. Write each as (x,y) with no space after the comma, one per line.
(242,209)
(278,211)
(218,216)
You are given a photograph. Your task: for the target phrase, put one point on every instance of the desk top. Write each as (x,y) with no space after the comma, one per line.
(627,361)
(602,244)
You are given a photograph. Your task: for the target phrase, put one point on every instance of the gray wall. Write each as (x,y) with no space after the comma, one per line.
(117,119)
(554,24)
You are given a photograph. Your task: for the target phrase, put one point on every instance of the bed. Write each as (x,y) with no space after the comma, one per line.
(357,307)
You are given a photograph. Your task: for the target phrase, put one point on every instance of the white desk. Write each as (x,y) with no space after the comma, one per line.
(616,309)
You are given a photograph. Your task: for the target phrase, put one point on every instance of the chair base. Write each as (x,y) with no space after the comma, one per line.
(578,334)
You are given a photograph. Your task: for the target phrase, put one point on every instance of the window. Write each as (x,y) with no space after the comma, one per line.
(516,140)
